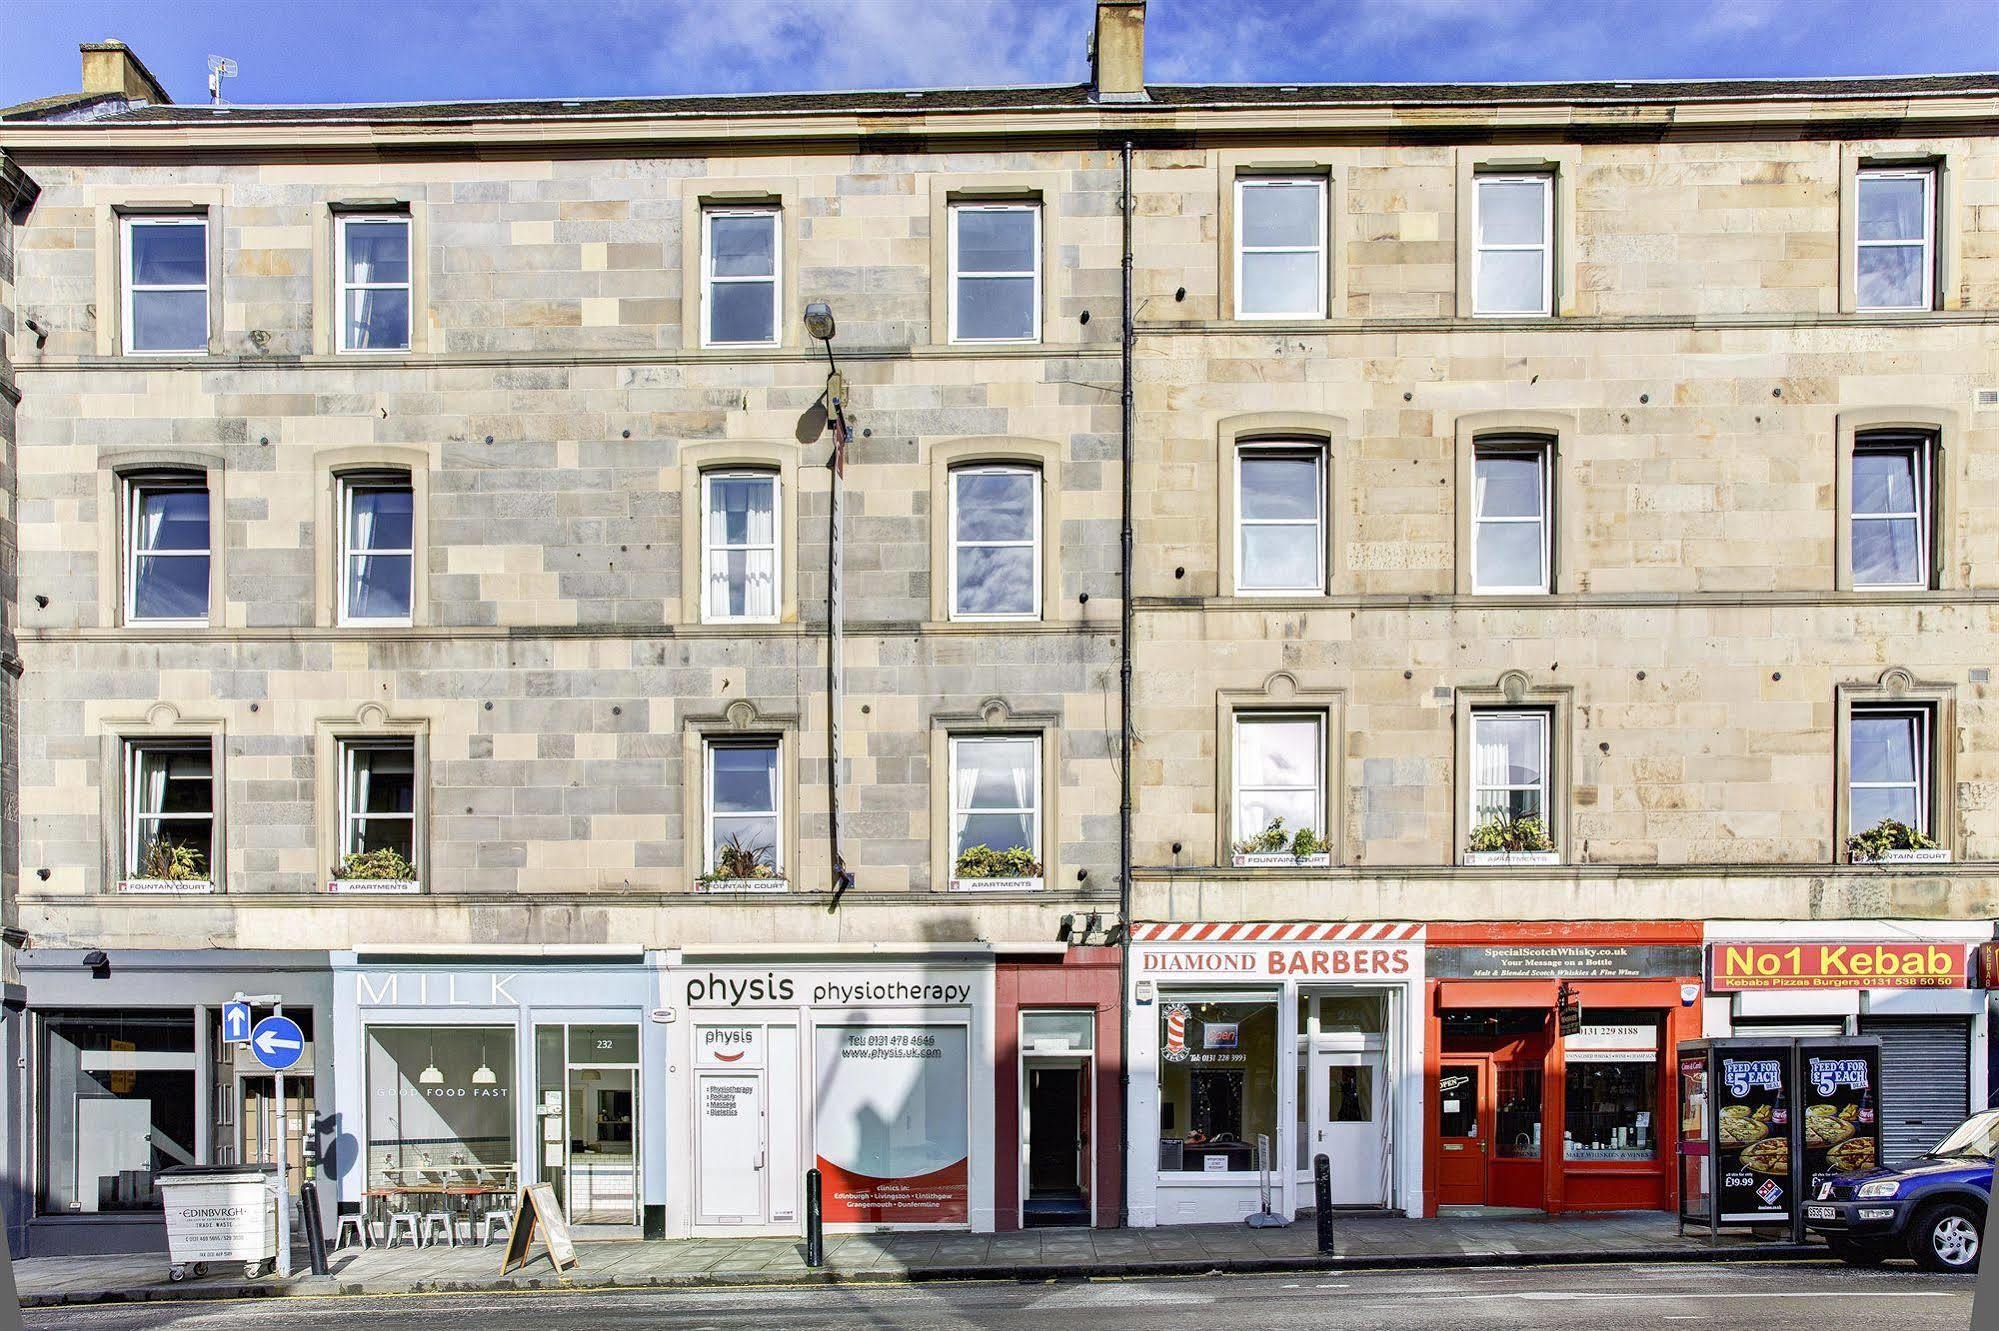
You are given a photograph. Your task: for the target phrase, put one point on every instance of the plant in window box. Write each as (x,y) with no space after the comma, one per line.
(383,870)
(1013,869)
(167,866)
(1278,847)
(1893,842)
(741,867)
(1502,840)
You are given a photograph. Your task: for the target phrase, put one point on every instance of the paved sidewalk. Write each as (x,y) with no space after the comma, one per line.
(1045,1254)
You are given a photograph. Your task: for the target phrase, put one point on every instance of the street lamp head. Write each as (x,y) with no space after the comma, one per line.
(819,320)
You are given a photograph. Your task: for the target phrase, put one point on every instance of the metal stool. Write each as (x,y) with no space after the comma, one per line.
(499,1218)
(400,1220)
(353,1220)
(438,1220)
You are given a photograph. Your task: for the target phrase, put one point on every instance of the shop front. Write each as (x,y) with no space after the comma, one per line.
(1909,985)
(876,1071)
(126,1074)
(1256,1048)
(476,1076)
(1523,1115)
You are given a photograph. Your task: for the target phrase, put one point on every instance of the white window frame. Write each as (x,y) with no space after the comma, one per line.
(775,745)
(1920,448)
(352,819)
(709,277)
(1283,450)
(135,491)
(1033,473)
(958,210)
(1542,720)
(1925,763)
(349,487)
(130,283)
(960,811)
(1928,175)
(134,760)
(1543,461)
(1243,830)
(1546,181)
(1243,185)
(711,545)
(342,222)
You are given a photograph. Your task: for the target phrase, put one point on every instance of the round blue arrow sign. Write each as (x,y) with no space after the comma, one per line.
(277,1042)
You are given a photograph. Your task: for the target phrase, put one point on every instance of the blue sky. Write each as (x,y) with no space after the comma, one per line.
(405,50)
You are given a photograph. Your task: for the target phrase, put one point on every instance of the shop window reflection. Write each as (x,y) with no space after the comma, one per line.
(440,1106)
(1217,1083)
(117,1106)
(1518,1130)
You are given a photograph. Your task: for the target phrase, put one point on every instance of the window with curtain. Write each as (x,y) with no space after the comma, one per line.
(741,545)
(170,810)
(378,797)
(1891,512)
(166,284)
(995,272)
(1510,529)
(374,281)
(995,542)
(1894,257)
(379,524)
(743,806)
(167,550)
(1889,772)
(996,793)
(1280,247)
(1509,766)
(1279,773)
(739,276)
(1513,219)
(1280,519)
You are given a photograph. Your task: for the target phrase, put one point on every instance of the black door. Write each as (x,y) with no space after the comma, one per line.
(1053,1122)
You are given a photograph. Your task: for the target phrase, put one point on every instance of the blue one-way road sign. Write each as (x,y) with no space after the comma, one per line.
(277,1042)
(235,1022)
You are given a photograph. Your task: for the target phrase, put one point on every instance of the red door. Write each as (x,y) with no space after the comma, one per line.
(1464,1129)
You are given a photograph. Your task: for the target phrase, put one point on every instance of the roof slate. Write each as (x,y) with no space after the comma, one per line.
(1072,96)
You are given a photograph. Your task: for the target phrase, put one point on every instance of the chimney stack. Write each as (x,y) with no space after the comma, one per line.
(1117,52)
(112,67)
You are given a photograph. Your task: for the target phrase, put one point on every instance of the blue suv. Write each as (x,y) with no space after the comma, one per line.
(1931,1208)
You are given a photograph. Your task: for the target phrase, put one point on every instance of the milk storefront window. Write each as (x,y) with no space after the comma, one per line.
(1217,1082)
(441,1105)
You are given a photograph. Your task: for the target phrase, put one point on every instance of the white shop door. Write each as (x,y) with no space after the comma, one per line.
(730,1185)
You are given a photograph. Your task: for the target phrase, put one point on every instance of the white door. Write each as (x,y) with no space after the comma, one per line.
(1349,1118)
(730,1182)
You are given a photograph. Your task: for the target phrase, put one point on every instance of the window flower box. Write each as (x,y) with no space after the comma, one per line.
(763,886)
(380,887)
(1934,855)
(1513,857)
(166,887)
(996,884)
(1279,860)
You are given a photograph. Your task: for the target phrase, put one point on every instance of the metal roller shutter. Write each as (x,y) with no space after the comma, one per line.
(1925,1081)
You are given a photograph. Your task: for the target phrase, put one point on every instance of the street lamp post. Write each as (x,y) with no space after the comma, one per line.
(819,323)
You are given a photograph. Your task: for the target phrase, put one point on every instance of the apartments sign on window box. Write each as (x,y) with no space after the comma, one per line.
(380,887)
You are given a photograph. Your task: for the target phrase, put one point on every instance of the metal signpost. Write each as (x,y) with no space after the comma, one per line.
(278,1043)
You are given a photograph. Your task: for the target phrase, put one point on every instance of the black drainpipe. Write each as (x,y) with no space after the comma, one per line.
(1124,702)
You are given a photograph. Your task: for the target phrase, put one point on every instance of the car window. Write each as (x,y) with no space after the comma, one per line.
(1977,1135)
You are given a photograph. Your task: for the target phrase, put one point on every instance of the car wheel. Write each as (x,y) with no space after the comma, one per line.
(1945,1238)
(1857,1254)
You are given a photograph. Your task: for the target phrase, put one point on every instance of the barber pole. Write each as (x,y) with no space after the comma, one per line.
(1176,1033)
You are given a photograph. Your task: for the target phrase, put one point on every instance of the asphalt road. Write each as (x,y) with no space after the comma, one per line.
(1776,1297)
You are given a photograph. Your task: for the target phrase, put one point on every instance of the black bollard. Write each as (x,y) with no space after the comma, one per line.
(1322,1198)
(815,1225)
(315,1232)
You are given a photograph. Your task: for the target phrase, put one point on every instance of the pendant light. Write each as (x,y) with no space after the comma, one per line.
(431,1076)
(484,1076)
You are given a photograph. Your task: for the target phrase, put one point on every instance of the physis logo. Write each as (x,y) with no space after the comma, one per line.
(727,1044)
(728,991)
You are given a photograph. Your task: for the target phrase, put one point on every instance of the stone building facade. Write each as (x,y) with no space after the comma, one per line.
(555,687)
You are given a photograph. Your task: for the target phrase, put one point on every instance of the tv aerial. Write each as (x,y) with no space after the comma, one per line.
(220,67)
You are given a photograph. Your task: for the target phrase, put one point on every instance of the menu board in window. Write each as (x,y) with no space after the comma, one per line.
(1841,1129)
(1753,1153)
